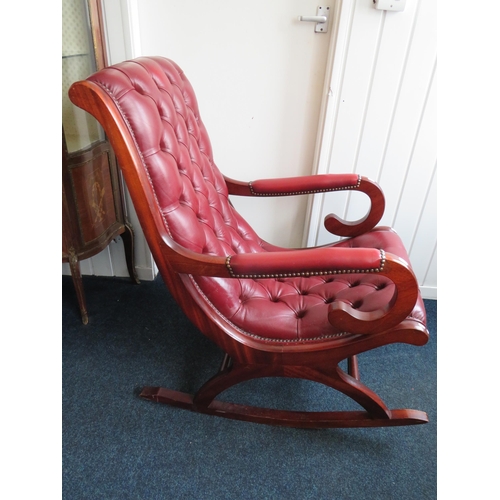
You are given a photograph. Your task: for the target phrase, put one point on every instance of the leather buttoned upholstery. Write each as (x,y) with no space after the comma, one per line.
(159,105)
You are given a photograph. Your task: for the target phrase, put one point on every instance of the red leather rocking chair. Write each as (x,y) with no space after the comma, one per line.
(275,312)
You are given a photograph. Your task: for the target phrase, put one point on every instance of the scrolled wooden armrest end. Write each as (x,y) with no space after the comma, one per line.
(345,318)
(340,227)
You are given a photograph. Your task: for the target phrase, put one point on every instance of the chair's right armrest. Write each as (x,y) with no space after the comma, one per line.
(293,186)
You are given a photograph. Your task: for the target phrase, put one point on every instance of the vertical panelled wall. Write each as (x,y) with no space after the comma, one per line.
(381,123)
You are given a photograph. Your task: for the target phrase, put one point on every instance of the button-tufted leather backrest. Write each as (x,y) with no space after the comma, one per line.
(160,107)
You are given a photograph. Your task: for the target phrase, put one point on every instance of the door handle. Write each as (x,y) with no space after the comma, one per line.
(321,19)
(314,19)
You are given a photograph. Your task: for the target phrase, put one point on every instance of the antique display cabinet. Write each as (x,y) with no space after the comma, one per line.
(93,212)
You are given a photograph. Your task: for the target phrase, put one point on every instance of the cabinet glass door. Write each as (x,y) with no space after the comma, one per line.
(78,62)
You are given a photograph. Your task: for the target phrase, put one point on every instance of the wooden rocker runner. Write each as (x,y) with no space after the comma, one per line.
(275,312)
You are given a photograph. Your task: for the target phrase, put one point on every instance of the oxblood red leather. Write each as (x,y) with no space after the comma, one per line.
(161,110)
(304,263)
(302,185)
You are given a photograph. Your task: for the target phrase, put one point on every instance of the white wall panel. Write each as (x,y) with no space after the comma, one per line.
(423,247)
(385,125)
(419,171)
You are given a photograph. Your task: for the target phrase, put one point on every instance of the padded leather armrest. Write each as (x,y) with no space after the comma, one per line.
(325,183)
(289,186)
(306,262)
(318,261)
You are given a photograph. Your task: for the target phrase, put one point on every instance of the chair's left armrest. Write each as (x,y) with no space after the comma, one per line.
(319,261)
(325,183)
(325,261)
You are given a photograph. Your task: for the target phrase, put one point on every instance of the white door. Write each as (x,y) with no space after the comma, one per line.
(258,73)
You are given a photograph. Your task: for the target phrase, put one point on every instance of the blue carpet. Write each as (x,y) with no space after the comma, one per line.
(118,446)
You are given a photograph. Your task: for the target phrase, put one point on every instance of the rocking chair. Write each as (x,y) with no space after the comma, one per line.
(274,312)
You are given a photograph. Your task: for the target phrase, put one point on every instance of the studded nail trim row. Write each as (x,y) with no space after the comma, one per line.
(306,274)
(311,191)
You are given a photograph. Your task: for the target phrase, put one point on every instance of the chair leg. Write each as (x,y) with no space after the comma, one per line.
(228,376)
(352,367)
(337,380)
(76,276)
(128,245)
(376,414)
